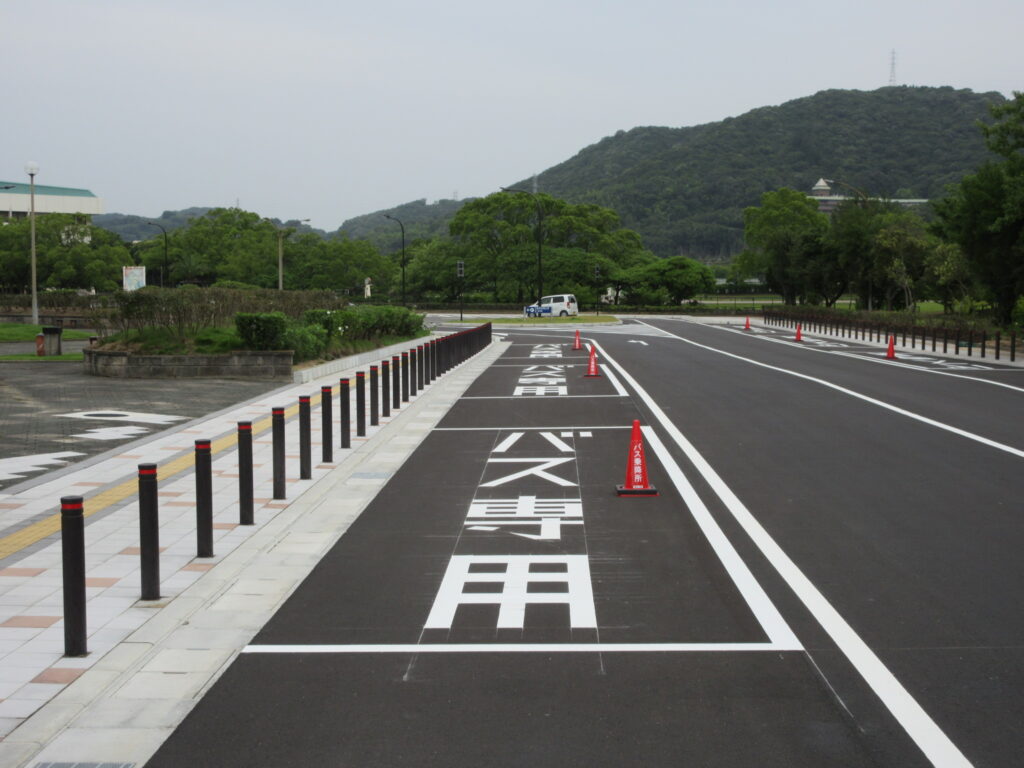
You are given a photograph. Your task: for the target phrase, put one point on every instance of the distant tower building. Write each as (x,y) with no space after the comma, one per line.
(892,67)
(821,189)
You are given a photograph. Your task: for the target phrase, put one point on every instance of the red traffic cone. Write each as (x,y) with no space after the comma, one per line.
(636,469)
(746,326)
(890,353)
(576,344)
(799,336)
(592,371)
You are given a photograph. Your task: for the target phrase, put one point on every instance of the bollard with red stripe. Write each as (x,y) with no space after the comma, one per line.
(592,369)
(72,539)
(636,469)
(245,500)
(149,532)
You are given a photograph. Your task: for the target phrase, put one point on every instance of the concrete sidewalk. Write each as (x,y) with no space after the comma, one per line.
(149,661)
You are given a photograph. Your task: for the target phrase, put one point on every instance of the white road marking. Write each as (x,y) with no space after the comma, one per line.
(112,433)
(874,401)
(637,341)
(935,744)
(100,414)
(877,358)
(517,648)
(507,443)
(17,467)
(760,604)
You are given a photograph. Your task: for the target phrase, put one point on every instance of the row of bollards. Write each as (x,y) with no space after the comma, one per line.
(391,385)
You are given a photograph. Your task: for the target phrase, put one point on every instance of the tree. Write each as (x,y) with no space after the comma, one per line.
(1006,135)
(782,236)
(984,215)
(680,277)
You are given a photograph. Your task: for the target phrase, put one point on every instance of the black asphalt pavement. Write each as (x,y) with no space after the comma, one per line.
(827,577)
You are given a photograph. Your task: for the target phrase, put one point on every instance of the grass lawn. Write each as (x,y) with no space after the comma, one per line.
(70,357)
(27,332)
(542,320)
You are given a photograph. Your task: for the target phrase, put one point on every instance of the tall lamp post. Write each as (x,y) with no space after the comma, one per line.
(400,224)
(164,269)
(281,232)
(540,239)
(32,168)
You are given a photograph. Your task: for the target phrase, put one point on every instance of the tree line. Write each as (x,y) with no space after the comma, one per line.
(890,257)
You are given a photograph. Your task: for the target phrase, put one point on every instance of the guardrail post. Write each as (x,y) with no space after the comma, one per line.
(277,429)
(72,542)
(305,440)
(245,506)
(204,499)
(326,424)
(149,532)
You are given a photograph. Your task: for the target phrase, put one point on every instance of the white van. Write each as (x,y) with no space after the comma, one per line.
(561,305)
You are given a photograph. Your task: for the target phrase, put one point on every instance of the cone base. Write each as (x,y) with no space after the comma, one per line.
(622,490)
(591,375)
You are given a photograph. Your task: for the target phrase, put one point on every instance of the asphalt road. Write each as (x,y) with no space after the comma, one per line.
(827,577)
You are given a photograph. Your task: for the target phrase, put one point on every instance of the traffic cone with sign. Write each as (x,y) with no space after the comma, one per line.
(576,344)
(890,353)
(636,469)
(592,371)
(799,336)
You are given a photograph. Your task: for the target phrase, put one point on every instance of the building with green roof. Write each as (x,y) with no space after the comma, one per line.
(15,200)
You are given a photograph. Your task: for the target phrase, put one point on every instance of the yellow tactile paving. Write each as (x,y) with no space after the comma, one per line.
(39,530)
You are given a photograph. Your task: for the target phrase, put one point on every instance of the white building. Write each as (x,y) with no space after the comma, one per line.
(15,200)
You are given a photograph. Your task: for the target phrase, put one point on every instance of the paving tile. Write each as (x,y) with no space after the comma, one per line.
(40,622)
(58,676)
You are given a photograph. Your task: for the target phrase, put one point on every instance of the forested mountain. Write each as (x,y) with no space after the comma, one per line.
(684,189)
(420,219)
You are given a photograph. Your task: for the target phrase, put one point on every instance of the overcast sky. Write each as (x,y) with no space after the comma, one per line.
(329,109)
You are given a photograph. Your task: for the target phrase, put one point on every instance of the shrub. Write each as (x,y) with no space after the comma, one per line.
(262,330)
(307,341)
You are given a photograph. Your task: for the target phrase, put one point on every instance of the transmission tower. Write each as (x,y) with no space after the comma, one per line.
(892,67)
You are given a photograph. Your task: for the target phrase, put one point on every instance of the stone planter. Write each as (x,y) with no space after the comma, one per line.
(276,365)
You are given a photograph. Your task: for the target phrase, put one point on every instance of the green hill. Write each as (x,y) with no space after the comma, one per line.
(684,189)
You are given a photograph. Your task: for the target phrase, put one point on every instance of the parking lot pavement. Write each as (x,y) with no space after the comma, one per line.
(52,413)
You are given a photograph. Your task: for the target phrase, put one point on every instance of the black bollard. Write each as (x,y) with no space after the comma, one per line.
(360,404)
(426,362)
(396,384)
(149,532)
(277,429)
(374,397)
(326,424)
(434,373)
(405,377)
(305,440)
(412,372)
(345,405)
(72,542)
(204,499)
(245,506)
(419,366)
(385,388)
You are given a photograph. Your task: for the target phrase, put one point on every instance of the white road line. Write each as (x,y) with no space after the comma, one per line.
(874,401)
(767,614)
(519,648)
(937,747)
(528,429)
(891,363)
(536,397)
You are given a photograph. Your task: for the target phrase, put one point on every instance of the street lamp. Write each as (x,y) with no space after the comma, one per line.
(32,168)
(164,269)
(540,239)
(388,216)
(281,232)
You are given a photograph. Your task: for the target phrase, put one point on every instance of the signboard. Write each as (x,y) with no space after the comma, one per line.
(134,278)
